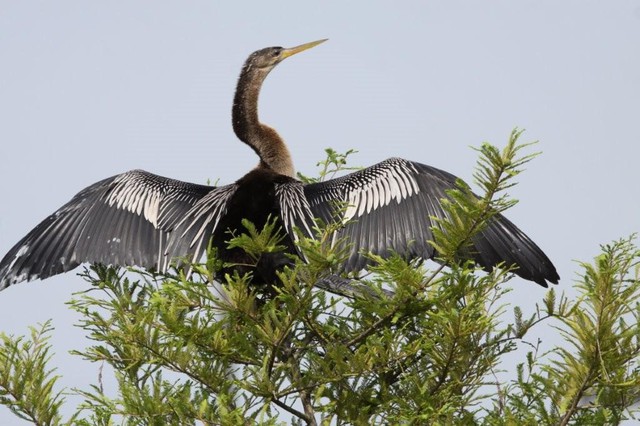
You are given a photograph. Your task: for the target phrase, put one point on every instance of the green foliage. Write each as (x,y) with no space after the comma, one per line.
(421,347)
(334,163)
(26,384)
(595,378)
(256,242)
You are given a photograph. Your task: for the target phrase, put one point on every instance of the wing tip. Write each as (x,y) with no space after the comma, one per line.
(542,277)
(12,278)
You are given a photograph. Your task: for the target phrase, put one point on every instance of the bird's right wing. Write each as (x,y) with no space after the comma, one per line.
(388,208)
(122,220)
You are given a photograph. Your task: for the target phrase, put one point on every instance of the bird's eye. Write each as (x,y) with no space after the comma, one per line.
(276,51)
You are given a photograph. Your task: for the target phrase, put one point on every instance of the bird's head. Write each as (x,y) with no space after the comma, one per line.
(266,59)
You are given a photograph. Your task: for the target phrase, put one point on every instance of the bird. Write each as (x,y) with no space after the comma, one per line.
(141,219)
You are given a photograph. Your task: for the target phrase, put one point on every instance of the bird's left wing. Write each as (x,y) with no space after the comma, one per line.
(122,220)
(197,226)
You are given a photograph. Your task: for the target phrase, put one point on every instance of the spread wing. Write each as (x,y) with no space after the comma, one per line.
(126,219)
(196,227)
(387,207)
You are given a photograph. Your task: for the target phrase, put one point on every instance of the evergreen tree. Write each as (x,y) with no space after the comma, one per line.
(407,344)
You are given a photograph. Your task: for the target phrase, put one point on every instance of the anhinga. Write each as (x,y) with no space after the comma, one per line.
(138,218)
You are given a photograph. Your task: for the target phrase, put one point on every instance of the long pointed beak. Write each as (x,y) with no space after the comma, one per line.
(293,50)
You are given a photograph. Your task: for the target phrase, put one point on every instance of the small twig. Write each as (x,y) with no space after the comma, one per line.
(349,288)
(285,407)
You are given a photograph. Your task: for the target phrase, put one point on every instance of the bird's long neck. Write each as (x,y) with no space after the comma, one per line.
(264,140)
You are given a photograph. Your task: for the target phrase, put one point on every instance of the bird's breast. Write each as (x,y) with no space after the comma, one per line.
(254,200)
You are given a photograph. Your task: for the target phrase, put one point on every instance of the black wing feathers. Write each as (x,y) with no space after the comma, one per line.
(389,206)
(123,220)
(195,227)
(137,218)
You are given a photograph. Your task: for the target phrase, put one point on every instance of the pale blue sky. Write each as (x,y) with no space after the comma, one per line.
(89,90)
